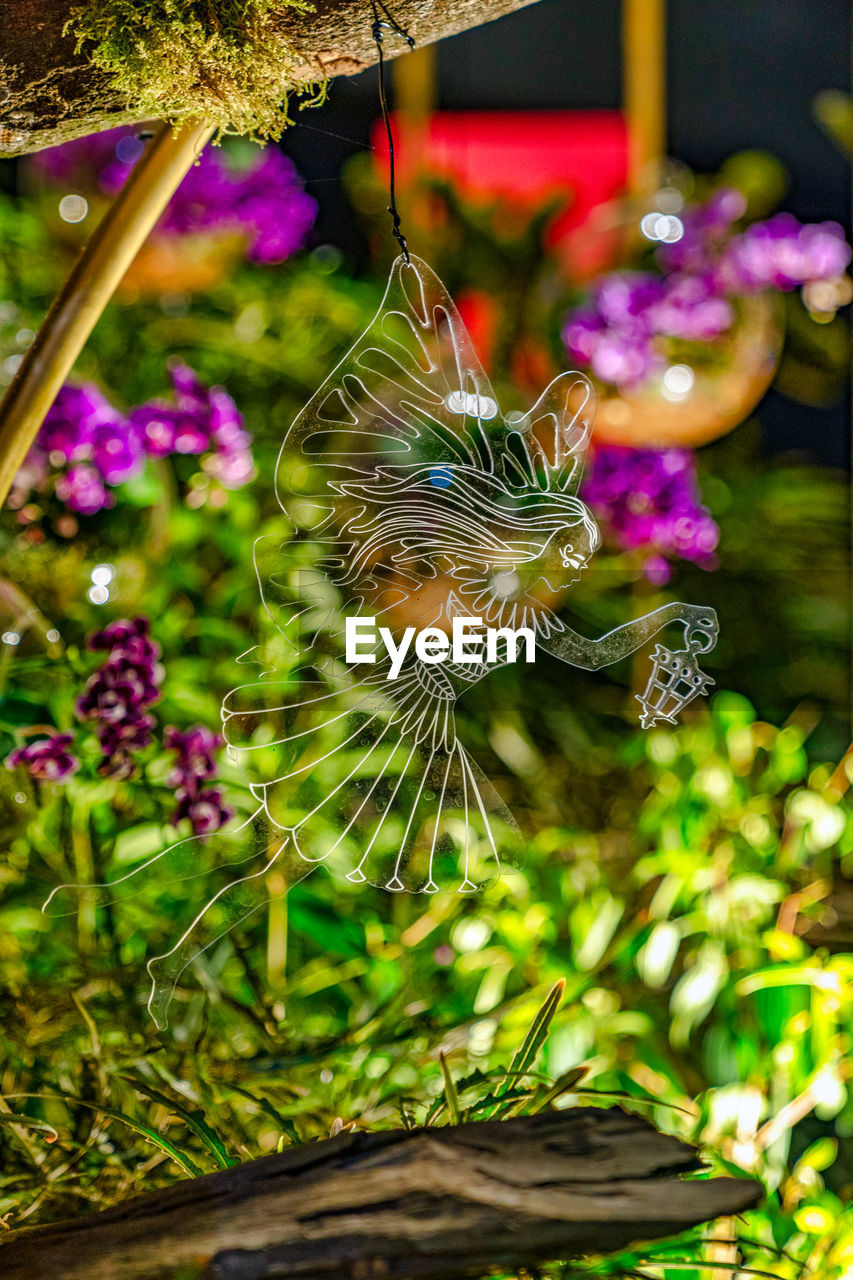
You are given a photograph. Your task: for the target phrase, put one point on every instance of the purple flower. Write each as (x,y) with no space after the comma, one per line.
(273,207)
(77,161)
(195,749)
(203,420)
(47,759)
(117,696)
(623,300)
(614,335)
(97,445)
(689,307)
(784,254)
(205,811)
(649,499)
(232,470)
(706,230)
(124,635)
(194,767)
(82,490)
(622,360)
(117,451)
(68,431)
(582,333)
(621,333)
(263,200)
(156,427)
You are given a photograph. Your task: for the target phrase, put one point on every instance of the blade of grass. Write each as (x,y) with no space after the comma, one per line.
(282,1122)
(450,1091)
(194,1120)
(622,1096)
(27,1122)
(183,1162)
(530,1046)
(564,1084)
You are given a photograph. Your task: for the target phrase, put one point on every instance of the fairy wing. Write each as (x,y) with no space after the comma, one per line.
(411,392)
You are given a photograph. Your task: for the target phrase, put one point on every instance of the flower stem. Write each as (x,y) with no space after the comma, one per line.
(92,282)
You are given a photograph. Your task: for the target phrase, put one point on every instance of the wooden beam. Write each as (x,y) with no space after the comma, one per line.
(425,1204)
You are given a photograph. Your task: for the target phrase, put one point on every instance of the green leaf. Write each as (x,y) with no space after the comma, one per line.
(820,1155)
(28,1122)
(139,842)
(563,1084)
(284,1122)
(183,1162)
(527,1053)
(450,1091)
(17,712)
(194,1120)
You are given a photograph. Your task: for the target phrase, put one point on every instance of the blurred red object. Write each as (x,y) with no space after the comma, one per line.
(524,157)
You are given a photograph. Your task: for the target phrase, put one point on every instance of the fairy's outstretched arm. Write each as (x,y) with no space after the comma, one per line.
(184,860)
(700,629)
(230,905)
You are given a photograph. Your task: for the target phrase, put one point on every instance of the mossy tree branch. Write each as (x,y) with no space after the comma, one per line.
(54,87)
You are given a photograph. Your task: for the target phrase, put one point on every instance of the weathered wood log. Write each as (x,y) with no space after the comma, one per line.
(427,1204)
(49,92)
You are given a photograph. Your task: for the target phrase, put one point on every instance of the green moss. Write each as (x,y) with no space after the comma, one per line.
(226,61)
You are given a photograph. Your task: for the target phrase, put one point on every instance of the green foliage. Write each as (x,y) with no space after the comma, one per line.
(680,938)
(227,62)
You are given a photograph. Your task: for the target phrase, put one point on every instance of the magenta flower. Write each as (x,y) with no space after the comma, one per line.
(46,759)
(621,359)
(582,333)
(691,308)
(784,254)
(195,749)
(194,767)
(203,420)
(117,696)
(68,431)
(624,300)
(707,228)
(622,332)
(205,810)
(648,499)
(614,336)
(82,490)
(264,200)
(83,446)
(117,451)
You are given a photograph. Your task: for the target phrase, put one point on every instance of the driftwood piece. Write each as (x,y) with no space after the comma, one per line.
(427,1203)
(50,93)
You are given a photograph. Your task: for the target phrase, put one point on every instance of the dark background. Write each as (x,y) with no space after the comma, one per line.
(741,74)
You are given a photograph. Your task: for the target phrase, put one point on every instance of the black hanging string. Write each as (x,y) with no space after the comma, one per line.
(389,23)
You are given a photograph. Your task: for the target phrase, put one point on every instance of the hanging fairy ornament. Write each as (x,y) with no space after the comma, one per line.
(432,538)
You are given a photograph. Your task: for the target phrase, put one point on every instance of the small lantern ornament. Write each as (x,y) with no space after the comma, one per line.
(675,680)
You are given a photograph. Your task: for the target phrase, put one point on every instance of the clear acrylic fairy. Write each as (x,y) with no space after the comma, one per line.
(413,505)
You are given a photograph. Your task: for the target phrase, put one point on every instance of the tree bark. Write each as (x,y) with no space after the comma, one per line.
(49,93)
(427,1204)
